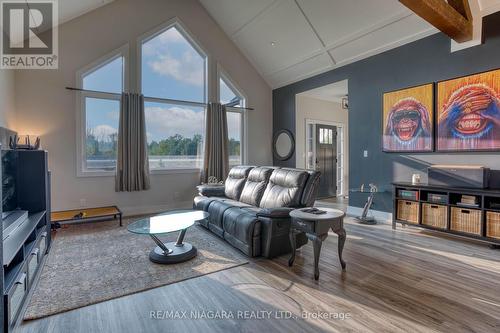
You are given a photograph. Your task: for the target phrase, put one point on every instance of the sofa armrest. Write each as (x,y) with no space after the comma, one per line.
(211,190)
(282,212)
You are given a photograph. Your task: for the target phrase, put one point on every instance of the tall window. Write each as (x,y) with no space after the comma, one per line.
(173,67)
(101,111)
(173,78)
(230,96)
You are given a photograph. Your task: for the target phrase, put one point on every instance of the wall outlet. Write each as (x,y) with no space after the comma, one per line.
(83,202)
(365,153)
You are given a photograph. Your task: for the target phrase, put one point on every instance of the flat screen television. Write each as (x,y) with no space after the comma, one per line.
(9,173)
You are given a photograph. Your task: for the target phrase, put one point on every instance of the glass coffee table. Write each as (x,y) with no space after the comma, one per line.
(177,220)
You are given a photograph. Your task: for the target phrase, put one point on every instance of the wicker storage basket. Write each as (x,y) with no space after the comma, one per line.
(435,215)
(466,220)
(493,225)
(408,211)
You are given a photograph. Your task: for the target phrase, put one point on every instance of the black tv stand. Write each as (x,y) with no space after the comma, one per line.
(23,251)
(479,221)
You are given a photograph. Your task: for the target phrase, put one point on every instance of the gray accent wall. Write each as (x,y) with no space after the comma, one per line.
(426,60)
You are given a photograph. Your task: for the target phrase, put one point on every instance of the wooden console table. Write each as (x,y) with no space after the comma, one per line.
(448,214)
(86,215)
(316,228)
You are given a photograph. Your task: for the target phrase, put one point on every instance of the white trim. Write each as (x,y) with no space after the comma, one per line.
(315,122)
(123,51)
(380,216)
(222,74)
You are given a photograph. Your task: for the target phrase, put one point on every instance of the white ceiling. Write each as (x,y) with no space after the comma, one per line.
(489,6)
(332,92)
(70,9)
(313,36)
(289,40)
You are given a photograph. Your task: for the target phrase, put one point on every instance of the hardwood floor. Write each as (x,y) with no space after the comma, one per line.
(408,280)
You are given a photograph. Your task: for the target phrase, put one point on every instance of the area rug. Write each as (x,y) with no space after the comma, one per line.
(91,263)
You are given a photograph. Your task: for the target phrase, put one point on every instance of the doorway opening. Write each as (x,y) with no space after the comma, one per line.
(322,137)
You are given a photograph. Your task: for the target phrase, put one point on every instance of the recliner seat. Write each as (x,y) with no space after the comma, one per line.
(252,211)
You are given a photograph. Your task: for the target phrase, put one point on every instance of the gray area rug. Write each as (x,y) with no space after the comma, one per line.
(91,263)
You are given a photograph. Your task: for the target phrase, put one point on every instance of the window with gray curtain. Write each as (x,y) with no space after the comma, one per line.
(132,166)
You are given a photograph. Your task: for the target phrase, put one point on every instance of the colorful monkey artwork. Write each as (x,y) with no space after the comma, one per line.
(469,113)
(408,120)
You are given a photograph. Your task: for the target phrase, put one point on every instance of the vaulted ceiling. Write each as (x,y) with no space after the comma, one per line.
(289,40)
(69,9)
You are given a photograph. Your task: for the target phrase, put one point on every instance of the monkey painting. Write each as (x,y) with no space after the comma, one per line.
(470,119)
(408,127)
(408,119)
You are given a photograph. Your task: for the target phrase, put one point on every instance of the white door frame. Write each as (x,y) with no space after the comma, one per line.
(341,191)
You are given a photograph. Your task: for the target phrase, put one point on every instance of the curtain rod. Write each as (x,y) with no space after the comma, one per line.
(172,101)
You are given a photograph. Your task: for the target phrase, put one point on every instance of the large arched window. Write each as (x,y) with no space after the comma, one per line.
(173,67)
(103,80)
(173,77)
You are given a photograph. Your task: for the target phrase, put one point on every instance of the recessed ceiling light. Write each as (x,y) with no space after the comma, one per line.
(273,43)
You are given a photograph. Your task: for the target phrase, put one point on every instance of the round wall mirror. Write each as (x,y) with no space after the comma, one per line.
(283,145)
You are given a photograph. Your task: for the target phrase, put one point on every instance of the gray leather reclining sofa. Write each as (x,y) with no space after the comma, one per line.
(251,211)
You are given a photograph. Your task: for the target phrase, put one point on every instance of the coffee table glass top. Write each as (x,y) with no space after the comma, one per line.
(167,222)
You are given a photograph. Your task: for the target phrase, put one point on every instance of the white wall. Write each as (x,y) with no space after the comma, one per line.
(45,108)
(321,110)
(7,98)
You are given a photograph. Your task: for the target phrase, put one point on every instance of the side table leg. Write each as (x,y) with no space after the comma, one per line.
(293,242)
(317,250)
(342,237)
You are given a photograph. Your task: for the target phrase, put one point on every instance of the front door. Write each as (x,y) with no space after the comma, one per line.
(326,159)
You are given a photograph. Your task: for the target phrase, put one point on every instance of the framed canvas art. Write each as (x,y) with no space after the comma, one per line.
(468,116)
(408,120)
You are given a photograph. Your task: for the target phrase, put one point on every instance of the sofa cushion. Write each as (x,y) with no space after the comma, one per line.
(256,185)
(201,202)
(216,210)
(236,181)
(284,189)
(242,230)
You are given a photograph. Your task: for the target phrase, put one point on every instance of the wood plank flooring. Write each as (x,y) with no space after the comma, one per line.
(408,280)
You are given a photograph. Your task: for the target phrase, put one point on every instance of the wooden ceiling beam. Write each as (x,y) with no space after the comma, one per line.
(462,6)
(452,18)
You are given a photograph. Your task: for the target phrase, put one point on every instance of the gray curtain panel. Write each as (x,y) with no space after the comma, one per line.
(216,161)
(132,165)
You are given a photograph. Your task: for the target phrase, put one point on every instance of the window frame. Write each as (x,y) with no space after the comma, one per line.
(196,45)
(81,123)
(222,74)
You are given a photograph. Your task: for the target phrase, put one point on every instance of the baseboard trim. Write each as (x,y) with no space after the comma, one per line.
(143,210)
(380,216)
